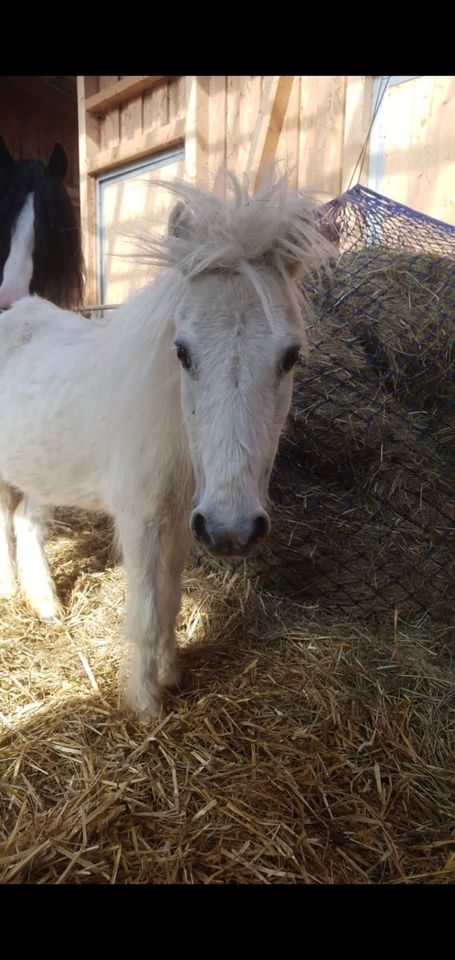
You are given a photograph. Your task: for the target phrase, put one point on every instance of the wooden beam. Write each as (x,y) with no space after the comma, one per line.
(162,138)
(279,107)
(262,124)
(197,130)
(120,91)
(88,148)
(272,110)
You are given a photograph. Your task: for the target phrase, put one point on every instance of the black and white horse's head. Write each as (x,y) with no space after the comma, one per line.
(40,244)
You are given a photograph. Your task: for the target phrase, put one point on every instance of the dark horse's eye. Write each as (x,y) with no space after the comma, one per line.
(289,359)
(184,356)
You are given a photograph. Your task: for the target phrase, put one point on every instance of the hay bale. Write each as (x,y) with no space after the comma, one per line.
(363,491)
(400,308)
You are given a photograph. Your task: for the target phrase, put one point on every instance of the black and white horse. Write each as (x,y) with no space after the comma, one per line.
(40,245)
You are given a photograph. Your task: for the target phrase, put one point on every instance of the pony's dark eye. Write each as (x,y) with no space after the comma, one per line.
(289,359)
(184,356)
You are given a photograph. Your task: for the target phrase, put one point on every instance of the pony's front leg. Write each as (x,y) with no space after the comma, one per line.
(7,565)
(30,524)
(153,574)
(174,542)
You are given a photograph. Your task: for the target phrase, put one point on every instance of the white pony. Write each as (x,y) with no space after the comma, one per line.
(168,417)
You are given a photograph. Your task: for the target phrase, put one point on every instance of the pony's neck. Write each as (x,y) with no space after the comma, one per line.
(138,338)
(142,376)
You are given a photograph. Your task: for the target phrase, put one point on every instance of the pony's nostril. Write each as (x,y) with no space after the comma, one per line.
(199,528)
(261,527)
(229,541)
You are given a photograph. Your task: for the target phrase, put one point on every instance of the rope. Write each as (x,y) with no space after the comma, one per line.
(379,99)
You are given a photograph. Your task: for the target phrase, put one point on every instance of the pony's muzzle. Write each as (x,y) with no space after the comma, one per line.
(233,540)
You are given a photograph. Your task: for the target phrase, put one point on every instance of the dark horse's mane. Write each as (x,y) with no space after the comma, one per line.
(58,265)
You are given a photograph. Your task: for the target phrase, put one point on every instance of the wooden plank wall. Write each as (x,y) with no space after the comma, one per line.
(317,125)
(417,142)
(253,120)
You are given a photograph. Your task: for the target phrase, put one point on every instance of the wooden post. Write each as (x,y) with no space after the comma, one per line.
(272,110)
(88,147)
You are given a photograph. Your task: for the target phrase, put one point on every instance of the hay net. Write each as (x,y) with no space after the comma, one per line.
(364,480)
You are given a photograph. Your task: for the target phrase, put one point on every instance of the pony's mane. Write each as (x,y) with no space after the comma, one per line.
(58,266)
(243,233)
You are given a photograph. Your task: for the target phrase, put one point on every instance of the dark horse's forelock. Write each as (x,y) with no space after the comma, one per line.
(58,266)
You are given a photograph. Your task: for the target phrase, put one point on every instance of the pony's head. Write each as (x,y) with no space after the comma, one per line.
(239,328)
(40,246)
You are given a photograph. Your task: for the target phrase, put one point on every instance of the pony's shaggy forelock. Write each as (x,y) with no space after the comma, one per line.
(243,233)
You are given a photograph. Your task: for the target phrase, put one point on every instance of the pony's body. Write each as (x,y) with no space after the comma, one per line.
(73,422)
(101,417)
(36,339)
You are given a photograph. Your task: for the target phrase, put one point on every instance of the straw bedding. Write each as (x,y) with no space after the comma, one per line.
(301,749)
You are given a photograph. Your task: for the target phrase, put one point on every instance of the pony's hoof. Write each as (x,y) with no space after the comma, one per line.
(144,704)
(146,713)
(171,676)
(48,610)
(8,588)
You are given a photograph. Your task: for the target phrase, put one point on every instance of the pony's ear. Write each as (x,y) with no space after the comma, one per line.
(300,246)
(180,220)
(5,157)
(58,163)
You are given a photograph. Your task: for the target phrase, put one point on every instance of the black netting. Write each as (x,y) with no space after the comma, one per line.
(363,487)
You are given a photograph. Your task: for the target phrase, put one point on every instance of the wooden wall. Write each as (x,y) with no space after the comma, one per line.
(318,125)
(413,145)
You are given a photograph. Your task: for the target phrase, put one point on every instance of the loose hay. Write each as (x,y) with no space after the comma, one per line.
(302,750)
